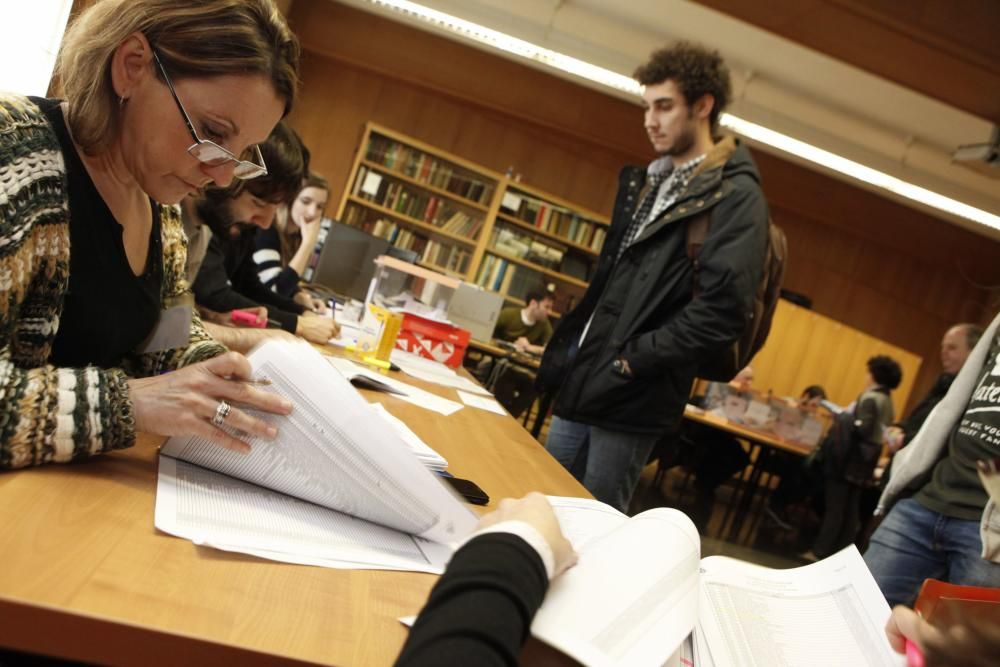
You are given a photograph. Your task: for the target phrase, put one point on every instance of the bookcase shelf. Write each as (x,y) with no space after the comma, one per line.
(429,188)
(469,222)
(412,222)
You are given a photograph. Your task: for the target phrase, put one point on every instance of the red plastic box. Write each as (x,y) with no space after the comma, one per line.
(433,340)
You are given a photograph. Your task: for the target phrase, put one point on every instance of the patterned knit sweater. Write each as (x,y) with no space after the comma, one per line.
(47,413)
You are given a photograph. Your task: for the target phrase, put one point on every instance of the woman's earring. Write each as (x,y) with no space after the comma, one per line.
(121,101)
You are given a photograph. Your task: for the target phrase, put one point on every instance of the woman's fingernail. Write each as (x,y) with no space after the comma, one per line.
(286,405)
(271,432)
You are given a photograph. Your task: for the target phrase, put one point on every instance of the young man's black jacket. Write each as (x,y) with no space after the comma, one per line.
(643,306)
(228,280)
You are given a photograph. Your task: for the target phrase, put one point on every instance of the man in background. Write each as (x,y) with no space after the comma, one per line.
(527,328)
(624,359)
(958,341)
(227,277)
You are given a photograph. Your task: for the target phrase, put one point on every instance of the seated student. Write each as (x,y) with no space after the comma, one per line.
(850,453)
(799,478)
(939,531)
(716,456)
(227,279)
(92,244)
(283,250)
(529,327)
(480,611)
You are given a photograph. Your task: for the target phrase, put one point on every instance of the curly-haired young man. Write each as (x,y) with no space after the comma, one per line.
(624,359)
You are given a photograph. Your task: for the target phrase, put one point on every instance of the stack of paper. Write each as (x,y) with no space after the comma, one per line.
(429,370)
(339,487)
(431,459)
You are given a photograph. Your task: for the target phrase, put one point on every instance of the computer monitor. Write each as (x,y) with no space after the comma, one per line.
(347,262)
(475,309)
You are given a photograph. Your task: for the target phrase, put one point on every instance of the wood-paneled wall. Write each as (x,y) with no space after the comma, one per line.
(807,348)
(873,264)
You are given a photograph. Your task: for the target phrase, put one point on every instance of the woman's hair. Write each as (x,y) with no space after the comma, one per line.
(814,391)
(885,371)
(194,38)
(291,235)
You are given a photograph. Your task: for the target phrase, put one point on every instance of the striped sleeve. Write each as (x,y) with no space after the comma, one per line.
(47,414)
(283,280)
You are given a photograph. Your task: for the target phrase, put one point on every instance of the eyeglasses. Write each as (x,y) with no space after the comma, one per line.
(209,152)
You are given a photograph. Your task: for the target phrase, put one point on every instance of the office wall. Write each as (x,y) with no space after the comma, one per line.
(875,265)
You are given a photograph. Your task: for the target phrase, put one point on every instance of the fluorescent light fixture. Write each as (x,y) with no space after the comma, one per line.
(758,133)
(856,170)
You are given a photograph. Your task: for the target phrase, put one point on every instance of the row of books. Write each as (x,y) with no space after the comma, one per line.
(448,257)
(496,274)
(558,221)
(427,169)
(442,255)
(415,204)
(524,246)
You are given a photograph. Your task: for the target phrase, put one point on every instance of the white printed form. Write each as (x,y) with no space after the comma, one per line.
(829,613)
(632,597)
(214,510)
(333,451)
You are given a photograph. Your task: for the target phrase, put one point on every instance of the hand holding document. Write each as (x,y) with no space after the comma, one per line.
(338,486)
(639,592)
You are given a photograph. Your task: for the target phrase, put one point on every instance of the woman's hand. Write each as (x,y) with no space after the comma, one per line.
(184,402)
(316,328)
(534,509)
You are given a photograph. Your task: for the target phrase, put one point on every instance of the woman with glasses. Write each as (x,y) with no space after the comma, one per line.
(284,249)
(98,340)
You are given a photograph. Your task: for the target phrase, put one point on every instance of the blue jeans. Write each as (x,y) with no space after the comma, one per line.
(607,463)
(915,543)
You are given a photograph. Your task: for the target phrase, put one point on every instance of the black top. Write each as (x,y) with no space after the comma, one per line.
(107,311)
(481,609)
(227,280)
(916,419)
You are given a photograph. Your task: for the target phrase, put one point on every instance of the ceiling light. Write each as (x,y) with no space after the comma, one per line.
(752,131)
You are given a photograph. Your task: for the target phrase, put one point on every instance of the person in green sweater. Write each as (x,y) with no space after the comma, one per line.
(527,328)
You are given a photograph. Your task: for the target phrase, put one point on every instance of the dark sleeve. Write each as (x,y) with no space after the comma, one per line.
(267,257)
(214,289)
(916,419)
(731,265)
(866,419)
(481,609)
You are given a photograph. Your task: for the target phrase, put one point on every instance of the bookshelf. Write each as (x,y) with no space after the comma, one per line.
(469,222)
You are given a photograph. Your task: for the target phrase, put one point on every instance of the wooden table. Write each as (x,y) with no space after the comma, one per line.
(764,443)
(84,574)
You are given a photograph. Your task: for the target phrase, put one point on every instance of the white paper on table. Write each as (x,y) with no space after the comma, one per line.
(481,402)
(335,453)
(411,394)
(427,456)
(214,510)
(348,336)
(827,613)
(429,370)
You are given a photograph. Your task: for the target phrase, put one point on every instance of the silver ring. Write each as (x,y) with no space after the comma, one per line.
(221,413)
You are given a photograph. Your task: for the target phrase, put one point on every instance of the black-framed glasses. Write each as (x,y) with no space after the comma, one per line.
(208,152)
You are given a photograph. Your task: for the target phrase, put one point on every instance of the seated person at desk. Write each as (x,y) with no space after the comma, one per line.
(227,279)
(283,250)
(527,328)
(93,249)
(850,453)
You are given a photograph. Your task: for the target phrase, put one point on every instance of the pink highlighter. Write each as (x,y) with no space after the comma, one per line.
(914,656)
(245,318)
